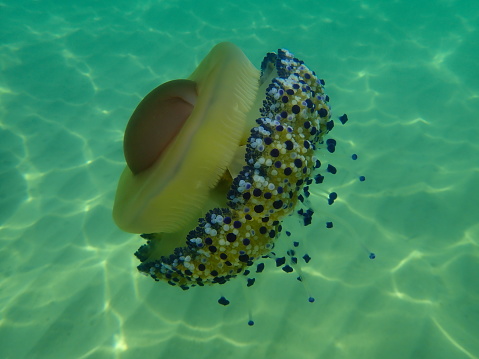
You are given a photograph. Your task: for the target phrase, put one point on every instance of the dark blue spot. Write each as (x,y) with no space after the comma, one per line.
(278,204)
(332,197)
(343,118)
(306,191)
(280,261)
(331,146)
(274,152)
(223,301)
(318,179)
(231,237)
(260,268)
(258,208)
(289,145)
(331,169)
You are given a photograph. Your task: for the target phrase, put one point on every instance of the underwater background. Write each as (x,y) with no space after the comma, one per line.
(408,78)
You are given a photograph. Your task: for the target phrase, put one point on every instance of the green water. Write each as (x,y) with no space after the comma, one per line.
(407,76)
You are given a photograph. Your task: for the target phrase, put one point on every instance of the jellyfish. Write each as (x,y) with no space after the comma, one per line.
(216,161)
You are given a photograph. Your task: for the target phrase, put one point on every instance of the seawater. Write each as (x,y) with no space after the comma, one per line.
(406,74)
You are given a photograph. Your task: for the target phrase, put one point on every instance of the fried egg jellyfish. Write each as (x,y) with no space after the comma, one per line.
(216,161)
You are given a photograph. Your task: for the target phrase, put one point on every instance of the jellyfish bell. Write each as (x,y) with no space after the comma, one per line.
(180,141)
